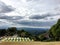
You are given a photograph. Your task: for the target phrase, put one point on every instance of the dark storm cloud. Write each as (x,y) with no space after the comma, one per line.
(35,23)
(4,8)
(36,17)
(42,16)
(11,17)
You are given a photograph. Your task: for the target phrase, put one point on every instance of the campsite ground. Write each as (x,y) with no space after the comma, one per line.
(29,43)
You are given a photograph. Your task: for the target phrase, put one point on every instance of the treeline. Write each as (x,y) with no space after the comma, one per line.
(19,33)
(13,31)
(51,35)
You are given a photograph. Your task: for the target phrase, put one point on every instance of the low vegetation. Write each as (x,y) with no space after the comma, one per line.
(51,35)
(10,32)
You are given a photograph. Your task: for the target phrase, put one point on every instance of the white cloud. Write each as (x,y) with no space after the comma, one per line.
(48,11)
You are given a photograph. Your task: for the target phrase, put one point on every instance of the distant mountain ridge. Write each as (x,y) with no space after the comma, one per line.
(34,31)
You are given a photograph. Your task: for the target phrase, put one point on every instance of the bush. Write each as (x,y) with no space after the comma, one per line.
(42,37)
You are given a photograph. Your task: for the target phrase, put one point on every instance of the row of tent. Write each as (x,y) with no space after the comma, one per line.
(16,39)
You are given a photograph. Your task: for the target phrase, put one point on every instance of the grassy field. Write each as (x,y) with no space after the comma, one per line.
(24,41)
(29,43)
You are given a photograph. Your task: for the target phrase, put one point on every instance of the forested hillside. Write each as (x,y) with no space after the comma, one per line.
(54,32)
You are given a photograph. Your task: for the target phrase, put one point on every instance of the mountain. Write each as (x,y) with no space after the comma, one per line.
(34,31)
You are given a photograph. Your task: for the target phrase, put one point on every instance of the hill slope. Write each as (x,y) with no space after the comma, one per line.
(54,32)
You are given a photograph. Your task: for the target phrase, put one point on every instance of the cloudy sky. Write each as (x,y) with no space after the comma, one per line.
(29,13)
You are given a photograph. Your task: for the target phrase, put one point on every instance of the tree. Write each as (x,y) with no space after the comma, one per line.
(11,31)
(23,33)
(42,37)
(2,32)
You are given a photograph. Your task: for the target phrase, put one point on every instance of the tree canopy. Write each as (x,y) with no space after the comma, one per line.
(54,32)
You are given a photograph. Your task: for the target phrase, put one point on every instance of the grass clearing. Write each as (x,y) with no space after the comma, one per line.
(30,43)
